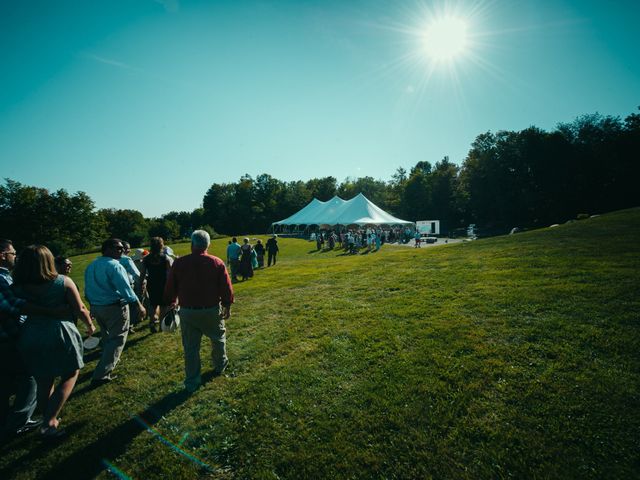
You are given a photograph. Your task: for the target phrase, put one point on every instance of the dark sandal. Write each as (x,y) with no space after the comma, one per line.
(52,433)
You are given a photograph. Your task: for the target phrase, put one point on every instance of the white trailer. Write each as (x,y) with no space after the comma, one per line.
(428,227)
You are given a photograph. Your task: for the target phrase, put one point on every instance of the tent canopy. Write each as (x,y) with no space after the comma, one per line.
(357,211)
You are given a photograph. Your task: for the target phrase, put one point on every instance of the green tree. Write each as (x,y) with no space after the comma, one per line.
(416,197)
(322,188)
(66,223)
(373,189)
(165,228)
(443,182)
(184,221)
(124,224)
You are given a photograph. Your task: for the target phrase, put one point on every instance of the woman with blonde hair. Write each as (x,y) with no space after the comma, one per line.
(51,347)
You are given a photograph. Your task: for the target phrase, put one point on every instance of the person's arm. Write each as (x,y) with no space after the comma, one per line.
(120,279)
(57,312)
(226,293)
(143,272)
(12,305)
(133,270)
(171,288)
(78,308)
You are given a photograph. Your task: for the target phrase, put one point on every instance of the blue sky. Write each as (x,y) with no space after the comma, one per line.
(144,103)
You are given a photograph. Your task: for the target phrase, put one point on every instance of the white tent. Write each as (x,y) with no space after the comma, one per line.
(357,211)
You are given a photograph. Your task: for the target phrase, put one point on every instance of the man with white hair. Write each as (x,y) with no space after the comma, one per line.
(201,284)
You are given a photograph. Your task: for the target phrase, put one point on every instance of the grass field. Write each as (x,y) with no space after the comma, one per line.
(511,357)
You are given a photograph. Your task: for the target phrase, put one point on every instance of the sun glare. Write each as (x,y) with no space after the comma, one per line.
(445,38)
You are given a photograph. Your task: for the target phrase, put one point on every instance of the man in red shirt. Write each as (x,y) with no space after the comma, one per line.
(202,285)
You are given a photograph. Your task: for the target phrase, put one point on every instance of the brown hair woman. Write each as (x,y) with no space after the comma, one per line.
(51,347)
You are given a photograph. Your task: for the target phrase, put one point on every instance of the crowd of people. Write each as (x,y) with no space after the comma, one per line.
(354,240)
(40,307)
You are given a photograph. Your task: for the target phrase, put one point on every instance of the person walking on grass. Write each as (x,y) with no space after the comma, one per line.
(246,265)
(107,288)
(259,249)
(51,347)
(134,279)
(272,250)
(233,257)
(202,286)
(15,379)
(154,270)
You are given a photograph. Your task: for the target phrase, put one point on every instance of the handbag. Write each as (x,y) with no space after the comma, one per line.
(171,321)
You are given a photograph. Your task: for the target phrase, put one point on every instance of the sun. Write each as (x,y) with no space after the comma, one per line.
(445,38)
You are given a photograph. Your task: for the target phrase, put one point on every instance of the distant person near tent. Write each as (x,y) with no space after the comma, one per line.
(233,258)
(259,249)
(246,266)
(272,250)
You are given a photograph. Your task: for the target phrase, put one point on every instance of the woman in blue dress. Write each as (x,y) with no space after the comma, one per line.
(51,347)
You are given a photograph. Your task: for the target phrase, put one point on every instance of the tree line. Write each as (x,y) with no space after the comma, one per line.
(527,178)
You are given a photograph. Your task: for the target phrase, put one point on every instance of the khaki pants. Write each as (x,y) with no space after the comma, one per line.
(114,327)
(193,325)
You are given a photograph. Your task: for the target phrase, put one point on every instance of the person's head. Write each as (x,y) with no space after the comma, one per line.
(63,265)
(156,245)
(200,241)
(246,240)
(258,242)
(275,236)
(112,247)
(8,254)
(127,248)
(234,240)
(35,265)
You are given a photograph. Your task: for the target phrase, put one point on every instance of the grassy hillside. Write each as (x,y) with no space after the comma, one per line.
(511,357)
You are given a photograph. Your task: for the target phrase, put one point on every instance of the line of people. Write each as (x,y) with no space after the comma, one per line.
(243,259)
(39,339)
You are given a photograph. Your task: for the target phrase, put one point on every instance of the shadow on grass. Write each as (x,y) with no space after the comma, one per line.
(88,461)
(97,353)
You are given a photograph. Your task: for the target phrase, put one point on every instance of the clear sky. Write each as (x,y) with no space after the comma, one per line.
(145,103)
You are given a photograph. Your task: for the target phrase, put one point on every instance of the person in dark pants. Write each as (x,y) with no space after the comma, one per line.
(259,249)
(154,270)
(233,258)
(272,249)
(14,378)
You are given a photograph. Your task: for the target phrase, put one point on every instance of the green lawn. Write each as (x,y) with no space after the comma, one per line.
(511,357)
